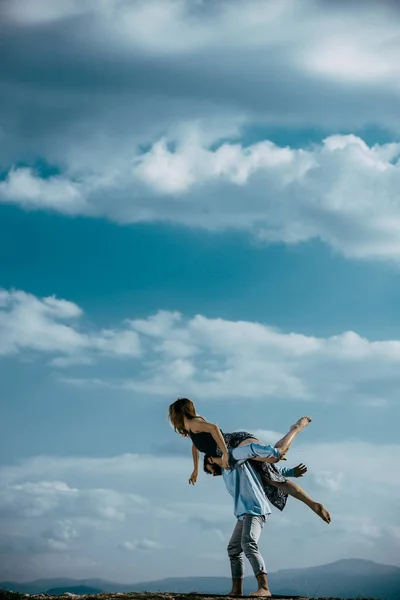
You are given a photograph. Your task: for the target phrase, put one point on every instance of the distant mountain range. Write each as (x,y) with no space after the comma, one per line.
(76,589)
(352,578)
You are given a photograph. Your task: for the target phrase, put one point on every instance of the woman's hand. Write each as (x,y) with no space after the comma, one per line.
(225,462)
(283,453)
(193,477)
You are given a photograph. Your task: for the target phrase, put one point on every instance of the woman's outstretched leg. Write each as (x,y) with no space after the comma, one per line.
(292,489)
(284,443)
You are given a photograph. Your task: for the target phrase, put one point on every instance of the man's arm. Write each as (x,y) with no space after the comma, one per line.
(255,451)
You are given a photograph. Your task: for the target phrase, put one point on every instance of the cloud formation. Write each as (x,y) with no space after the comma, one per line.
(143,545)
(52,326)
(49,525)
(107,133)
(328,55)
(341,191)
(217,358)
(202,357)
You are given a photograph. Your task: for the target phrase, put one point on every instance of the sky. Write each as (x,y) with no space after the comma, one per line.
(197,199)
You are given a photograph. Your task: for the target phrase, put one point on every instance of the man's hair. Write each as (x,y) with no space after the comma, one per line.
(216,468)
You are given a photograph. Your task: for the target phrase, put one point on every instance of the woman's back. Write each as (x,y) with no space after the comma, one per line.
(204,442)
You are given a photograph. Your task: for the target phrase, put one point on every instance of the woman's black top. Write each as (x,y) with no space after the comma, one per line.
(204,442)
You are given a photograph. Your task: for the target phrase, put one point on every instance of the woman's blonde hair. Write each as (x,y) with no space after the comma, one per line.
(178,410)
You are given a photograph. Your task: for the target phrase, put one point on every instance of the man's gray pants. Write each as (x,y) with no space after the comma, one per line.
(244,539)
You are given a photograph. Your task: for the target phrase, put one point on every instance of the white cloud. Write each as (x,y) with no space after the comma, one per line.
(202,357)
(17,544)
(142,545)
(43,11)
(155,27)
(371,56)
(23,187)
(61,534)
(51,326)
(125,466)
(369,530)
(40,498)
(72,517)
(341,191)
(253,360)
(95,114)
(330,480)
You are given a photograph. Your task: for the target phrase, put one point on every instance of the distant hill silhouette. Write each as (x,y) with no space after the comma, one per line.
(77,589)
(352,578)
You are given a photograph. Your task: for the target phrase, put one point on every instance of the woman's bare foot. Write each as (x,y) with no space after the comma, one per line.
(321,511)
(301,424)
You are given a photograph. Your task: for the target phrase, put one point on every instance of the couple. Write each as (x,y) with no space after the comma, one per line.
(250,476)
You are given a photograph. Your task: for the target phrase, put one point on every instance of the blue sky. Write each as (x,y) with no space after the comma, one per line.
(228,232)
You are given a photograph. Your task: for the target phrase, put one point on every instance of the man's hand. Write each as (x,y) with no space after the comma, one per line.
(299,470)
(193,477)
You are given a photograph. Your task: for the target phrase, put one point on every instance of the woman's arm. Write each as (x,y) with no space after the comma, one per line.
(198,425)
(196,458)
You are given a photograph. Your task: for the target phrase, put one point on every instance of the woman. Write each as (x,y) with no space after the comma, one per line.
(208,438)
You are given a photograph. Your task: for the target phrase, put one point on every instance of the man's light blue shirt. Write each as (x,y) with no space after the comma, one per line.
(244,483)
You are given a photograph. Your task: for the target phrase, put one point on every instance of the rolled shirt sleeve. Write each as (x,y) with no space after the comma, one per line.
(286,472)
(242,453)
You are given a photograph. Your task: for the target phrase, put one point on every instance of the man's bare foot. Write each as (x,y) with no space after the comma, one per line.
(263,589)
(321,511)
(301,423)
(237,587)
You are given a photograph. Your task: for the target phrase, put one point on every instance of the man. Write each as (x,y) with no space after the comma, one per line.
(251,509)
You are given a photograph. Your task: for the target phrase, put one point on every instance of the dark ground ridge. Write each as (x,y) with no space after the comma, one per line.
(5,595)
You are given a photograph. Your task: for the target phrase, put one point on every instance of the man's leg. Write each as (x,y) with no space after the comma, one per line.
(297,492)
(252,527)
(235,553)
